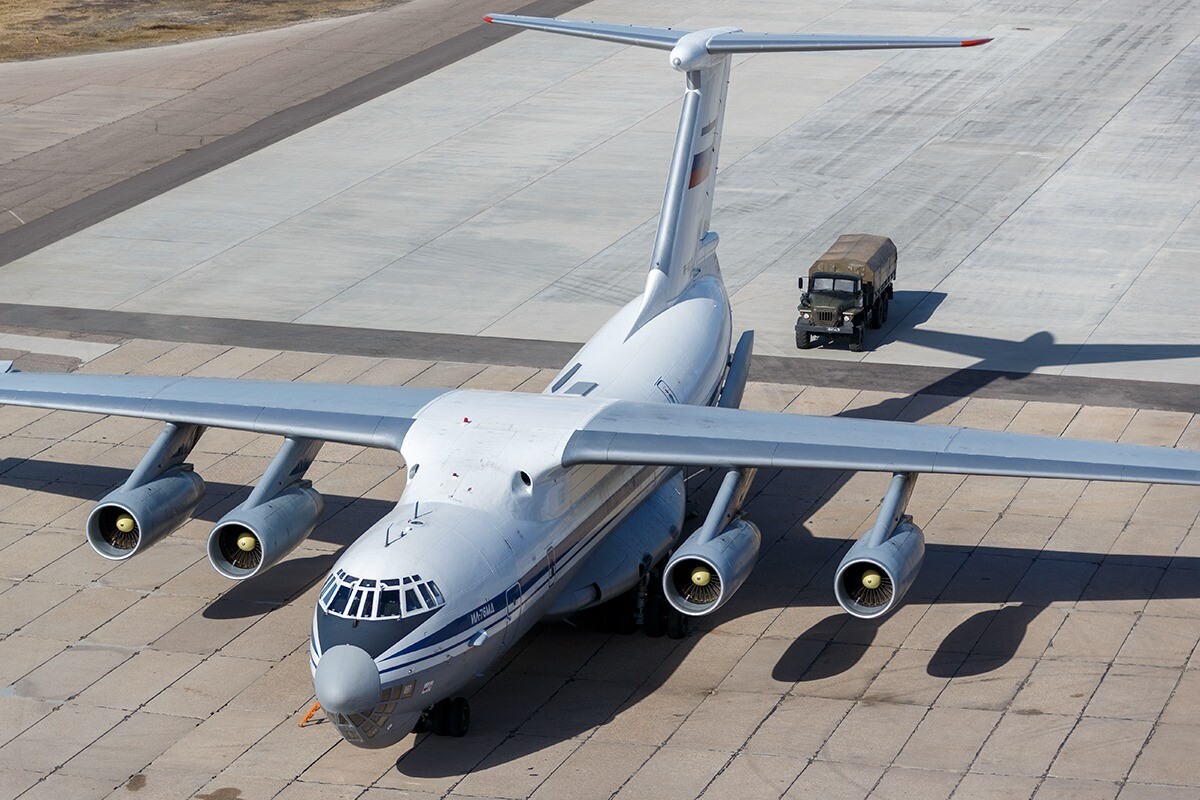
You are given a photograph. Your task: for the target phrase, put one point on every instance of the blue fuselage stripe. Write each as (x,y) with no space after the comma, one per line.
(575,544)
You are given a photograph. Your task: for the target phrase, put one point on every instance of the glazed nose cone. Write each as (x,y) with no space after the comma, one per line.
(346,680)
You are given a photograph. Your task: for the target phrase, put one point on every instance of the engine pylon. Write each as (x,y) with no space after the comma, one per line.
(881,567)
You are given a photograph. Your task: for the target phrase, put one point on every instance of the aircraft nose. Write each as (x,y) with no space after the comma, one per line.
(346,680)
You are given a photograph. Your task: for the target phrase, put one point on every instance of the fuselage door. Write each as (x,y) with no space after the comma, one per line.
(512,613)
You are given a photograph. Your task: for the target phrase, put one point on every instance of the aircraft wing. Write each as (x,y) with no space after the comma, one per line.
(372,416)
(693,436)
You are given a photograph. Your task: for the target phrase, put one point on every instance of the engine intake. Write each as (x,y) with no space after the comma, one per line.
(702,575)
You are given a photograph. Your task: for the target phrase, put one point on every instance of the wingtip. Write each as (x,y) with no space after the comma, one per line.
(488,18)
(975,42)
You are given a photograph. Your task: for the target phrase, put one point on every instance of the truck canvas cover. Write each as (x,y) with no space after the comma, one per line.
(857,253)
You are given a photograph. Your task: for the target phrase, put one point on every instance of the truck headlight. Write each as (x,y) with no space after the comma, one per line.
(847,318)
(804,315)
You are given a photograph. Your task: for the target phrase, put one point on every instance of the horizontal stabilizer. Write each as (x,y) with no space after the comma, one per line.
(659,38)
(729,42)
(740,42)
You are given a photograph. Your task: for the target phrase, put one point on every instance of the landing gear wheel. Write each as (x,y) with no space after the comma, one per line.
(655,613)
(437,718)
(679,624)
(856,340)
(803,340)
(875,317)
(458,718)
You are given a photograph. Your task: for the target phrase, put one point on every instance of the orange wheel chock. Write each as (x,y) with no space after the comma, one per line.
(316,707)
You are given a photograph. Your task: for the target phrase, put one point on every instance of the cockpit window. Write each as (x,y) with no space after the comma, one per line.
(367,598)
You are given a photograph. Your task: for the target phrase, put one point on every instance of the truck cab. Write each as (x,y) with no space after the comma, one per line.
(849,289)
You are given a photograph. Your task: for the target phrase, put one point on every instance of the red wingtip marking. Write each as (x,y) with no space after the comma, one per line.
(488,18)
(966,42)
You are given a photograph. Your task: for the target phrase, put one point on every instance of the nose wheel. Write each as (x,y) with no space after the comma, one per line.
(447,718)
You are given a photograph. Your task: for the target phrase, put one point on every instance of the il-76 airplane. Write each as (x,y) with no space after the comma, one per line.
(520,508)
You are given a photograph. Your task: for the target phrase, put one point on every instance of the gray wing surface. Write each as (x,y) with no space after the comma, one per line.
(742,42)
(658,38)
(363,415)
(731,41)
(675,435)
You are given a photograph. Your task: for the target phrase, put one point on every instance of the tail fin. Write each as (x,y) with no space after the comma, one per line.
(704,57)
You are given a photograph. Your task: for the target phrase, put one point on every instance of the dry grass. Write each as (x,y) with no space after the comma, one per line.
(42,28)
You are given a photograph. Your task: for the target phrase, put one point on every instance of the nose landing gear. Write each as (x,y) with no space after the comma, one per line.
(449,717)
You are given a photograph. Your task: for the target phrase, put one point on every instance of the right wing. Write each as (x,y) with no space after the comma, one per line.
(372,416)
(662,434)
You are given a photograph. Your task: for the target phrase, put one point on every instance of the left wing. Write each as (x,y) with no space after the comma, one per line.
(692,436)
(372,416)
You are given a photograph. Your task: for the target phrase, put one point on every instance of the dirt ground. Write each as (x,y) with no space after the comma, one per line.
(43,28)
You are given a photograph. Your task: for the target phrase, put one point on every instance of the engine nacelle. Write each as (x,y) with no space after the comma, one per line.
(872,579)
(702,575)
(128,520)
(250,539)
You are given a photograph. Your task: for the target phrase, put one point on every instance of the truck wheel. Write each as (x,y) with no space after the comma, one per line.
(873,317)
(803,340)
(856,340)
(886,303)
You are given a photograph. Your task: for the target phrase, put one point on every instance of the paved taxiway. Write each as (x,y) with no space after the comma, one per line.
(1069,674)
(1043,191)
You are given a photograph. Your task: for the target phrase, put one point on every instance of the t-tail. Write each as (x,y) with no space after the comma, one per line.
(684,242)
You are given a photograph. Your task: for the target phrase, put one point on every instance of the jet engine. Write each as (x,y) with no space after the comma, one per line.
(703,574)
(278,515)
(159,496)
(871,581)
(882,566)
(715,561)
(249,540)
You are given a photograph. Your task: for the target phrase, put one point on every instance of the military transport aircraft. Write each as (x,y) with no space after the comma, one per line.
(520,508)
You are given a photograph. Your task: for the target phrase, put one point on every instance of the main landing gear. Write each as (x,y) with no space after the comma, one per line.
(644,606)
(446,718)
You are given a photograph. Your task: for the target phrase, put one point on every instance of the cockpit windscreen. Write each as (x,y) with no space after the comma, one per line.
(387,598)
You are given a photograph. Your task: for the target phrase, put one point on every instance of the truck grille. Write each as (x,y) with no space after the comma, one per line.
(825,316)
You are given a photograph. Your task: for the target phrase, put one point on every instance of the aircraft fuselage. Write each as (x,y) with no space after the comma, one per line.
(491,528)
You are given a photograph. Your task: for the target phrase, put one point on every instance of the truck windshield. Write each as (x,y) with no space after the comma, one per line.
(827,284)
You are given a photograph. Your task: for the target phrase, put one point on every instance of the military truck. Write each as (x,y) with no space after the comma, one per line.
(848,290)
